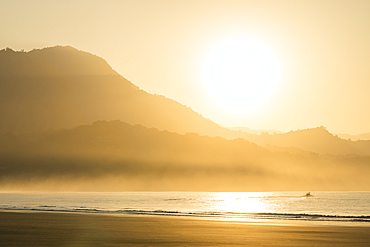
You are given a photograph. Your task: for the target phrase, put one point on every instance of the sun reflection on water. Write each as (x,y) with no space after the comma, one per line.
(240,202)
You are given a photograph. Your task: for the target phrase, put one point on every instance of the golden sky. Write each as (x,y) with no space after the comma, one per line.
(321,49)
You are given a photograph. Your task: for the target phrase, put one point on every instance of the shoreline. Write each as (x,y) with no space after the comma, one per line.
(65,229)
(297,222)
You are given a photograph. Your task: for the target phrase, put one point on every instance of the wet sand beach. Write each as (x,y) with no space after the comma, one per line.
(60,229)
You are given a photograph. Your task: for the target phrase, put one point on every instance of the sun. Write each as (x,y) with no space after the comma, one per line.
(240,75)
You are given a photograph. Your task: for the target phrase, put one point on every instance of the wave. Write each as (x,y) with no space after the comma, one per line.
(209,214)
(311,217)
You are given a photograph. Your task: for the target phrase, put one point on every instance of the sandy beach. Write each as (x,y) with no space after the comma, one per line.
(59,229)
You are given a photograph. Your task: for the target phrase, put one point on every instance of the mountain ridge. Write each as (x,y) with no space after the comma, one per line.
(116,156)
(39,92)
(63,87)
(317,140)
(52,61)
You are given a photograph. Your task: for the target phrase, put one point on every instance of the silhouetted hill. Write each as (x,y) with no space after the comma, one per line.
(254,131)
(359,137)
(121,139)
(62,87)
(317,140)
(116,156)
(52,61)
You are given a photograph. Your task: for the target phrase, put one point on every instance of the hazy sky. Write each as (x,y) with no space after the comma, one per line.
(322,49)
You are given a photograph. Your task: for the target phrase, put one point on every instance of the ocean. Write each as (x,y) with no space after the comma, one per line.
(318,207)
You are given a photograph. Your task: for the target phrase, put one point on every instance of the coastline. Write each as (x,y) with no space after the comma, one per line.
(64,229)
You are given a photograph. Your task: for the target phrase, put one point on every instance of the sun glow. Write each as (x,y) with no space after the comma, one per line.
(240,75)
(240,202)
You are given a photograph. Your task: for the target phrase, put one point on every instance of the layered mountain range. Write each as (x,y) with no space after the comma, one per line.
(116,156)
(66,117)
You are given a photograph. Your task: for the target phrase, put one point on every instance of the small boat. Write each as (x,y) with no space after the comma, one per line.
(308,194)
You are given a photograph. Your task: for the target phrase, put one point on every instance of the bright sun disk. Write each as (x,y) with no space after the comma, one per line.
(240,75)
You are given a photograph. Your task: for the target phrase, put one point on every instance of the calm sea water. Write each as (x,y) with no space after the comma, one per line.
(320,207)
